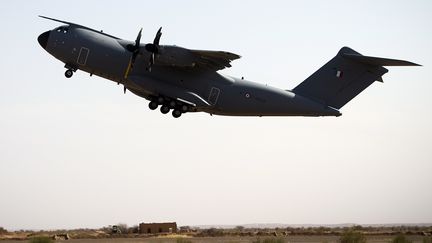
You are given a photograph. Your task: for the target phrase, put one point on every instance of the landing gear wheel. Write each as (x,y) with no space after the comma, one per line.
(153,105)
(160,100)
(172,104)
(164,109)
(68,73)
(176,113)
(184,108)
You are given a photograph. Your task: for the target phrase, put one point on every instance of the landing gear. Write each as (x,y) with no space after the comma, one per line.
(69,73)
(153,105)
(176,113)
(160,100)
(184,108)
(168,104)
(164,109)
(172,104)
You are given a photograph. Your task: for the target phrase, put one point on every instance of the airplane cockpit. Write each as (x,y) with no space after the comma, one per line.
(62,29)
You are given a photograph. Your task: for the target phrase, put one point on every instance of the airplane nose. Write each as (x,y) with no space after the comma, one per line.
(43,39)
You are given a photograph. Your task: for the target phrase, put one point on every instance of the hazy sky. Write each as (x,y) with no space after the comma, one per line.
(79,153)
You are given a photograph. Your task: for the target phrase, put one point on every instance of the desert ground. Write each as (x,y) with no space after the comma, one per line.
(227,239)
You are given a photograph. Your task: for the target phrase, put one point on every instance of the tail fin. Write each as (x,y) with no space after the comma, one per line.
(344,77)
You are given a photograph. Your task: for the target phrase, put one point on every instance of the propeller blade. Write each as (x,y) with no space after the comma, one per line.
(137,41)
(153,48)
(128,68)
(134,56)
(135,49)
(157,37)
(152,58)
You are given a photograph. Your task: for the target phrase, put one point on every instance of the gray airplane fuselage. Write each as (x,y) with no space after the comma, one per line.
(184,80)
(106,56)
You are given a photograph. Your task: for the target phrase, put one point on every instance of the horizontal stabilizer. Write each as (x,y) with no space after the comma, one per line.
(378,61)
(344,77)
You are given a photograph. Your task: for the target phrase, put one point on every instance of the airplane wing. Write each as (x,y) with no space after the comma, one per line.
(214,60)
(179,57)
(194,60)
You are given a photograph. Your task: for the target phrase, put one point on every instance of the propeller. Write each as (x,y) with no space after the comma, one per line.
(153,48)
(135,49)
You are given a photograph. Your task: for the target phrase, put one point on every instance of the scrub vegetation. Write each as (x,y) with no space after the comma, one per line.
(3,230)
(269,240)
(239,234)
(353,237)
(41,239)
(427,239)
(401,239)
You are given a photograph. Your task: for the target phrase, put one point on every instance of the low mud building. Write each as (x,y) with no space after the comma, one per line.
(157,228)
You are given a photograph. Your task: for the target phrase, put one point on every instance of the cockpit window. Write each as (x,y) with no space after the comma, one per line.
(63,29)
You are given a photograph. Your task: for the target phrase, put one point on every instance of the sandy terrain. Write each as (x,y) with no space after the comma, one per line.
(289,239)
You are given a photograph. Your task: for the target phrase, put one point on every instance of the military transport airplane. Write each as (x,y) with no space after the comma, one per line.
(185,80)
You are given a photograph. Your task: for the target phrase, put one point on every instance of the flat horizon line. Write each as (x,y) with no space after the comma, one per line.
(246,225)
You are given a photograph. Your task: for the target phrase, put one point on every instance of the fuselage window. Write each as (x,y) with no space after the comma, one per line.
(63,30)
